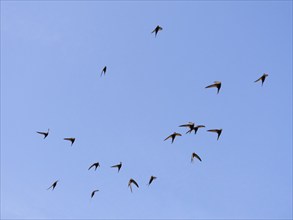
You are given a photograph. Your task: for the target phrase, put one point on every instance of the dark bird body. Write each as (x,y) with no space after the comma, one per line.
(218,131)
(104,70)
(152,178)
(96,165)
(262,78)
(217,84)
(53,185)
(70,139)
(117,166)
(130,182)
(157,29)
(43,133)
(93,193)
(173,136)
(194,155)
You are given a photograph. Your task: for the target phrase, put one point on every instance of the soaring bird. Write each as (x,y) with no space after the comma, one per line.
(218,131)
(262,78)
(44,133)
(173,136)
(93,193)
(196,128)
(157,29)
(190,125)
(117,166)
(194,155)
(70,139)
(216,84)
(152,179)
(96,165)
(104,70)
(53,185)
(132,181)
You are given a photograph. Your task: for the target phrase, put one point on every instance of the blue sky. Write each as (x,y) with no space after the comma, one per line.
(52,54)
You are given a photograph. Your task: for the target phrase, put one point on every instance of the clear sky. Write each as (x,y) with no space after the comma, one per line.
(52,54)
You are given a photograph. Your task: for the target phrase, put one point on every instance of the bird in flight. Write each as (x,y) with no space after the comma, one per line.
(104,70)
(216,84)
(130,182)
(70,139)
(190,125)
(196,128)
(117,166)
(44,133)
(152,179)
(218,131)
(53,185)
(157,29)
(93,193)
(262,78)
(194,155)
(96,165)
(173,136)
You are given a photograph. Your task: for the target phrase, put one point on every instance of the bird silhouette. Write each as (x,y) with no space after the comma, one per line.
(53,185)
(194,155)
(44,133)
(262,78)
(152,178)
(96,165)
(130,182)
(93,193)
(196,128)
(190,125)
(117,166)
(173,136)
(157,29)
(216,84)
(70,139)
(104,70)
(218,131)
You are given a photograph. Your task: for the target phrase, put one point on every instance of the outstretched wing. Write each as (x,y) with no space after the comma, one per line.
(168,137)
(70,139)
(135,183)
(151,180)
(39,132)
(190,125)
(211,86)
(53,185)
(129,185)
(93,193)
(114,166)
(91,166)
(196,156)
(258,79)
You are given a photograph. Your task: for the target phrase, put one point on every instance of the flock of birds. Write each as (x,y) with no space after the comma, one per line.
(190,125)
